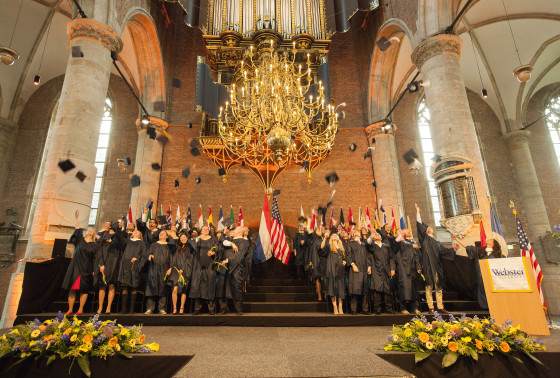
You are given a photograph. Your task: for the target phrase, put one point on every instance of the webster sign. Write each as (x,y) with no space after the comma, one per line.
(509,275)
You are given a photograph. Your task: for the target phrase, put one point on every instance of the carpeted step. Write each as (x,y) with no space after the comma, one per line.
(279,282)
(284,307)
(280,289)
(279,297)
(454,305)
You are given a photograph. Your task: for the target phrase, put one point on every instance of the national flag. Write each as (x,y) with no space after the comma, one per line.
(149,215)
(323,219)
(221,220)
(231,217)
(409,225)
(527,251)
(394,224)
(264,247)
(401,215)
(332,210)
(312,226)
(368,219)
(189,214)
(129,216)
(495,222)
(341,216)
(168,218)
(350,218)
(483,235)
(375,221)
(280,247)
(161,210)
(210,219)
(177,217)
(200,217)
(240,218)
(360,218)
(301,214)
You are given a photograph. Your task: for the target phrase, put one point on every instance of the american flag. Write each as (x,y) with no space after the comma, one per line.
(169,216)
(527,251)
(280,247)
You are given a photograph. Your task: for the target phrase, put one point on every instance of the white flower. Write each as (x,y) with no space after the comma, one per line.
(428,327)
(430,345)
(395,338)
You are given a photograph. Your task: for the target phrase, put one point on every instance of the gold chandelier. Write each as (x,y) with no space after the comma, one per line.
(275,107)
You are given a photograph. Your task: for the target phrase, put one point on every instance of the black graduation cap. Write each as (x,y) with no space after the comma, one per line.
(305,165)
(162,219)
(127,161)
(372,140)
(77,52)
(351,223)
(321,210)
(135,181)
(409,156)
(276,192)
(437,158)
(176,83)
(176,183)
(151,131)
(195,152)
(186,172)
(302,219)
(243,163)
(374,183)
(332,178)
(329,204)
(382,208)
(190,125)
(367,154)
(197,180)
(383,43)
(221,171)
(156,166)
(195,143)
(66,165)
(227,222)
(149,204)
(352,147)
(81,176)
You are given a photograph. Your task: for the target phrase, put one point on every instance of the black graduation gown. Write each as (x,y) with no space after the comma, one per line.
(382,262)
(335,272)
(358,282)
(81,264)
(249,259)
(472,252)
(408,263)
(149,236)
(203,282)
(157,268)
(129,273)
(181,261)
(236,268)
(317,261)
(300,249)
(108,255)
(432,252)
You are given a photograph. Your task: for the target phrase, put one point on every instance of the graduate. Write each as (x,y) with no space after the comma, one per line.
(107,263)
(335,270)
(359,270)
(150,232)
(181,272)
(249,258)
(316,261)
(158,261)
(408,268)
(132,261)
(234,258)
(383,269)
(300,246)
(79,276)
(221,271)
(203,283)
(432,253)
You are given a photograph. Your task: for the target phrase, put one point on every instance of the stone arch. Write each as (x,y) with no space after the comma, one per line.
(435,15)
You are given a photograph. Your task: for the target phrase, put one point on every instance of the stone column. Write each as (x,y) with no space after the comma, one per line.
(75,136)
(8,132)
(451,121)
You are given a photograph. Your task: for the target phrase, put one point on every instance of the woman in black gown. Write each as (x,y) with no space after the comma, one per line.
(129,271)
(317,262)
(203,284)
(107,261)
(181,271)
(79,276)
(158,261)
(335,271)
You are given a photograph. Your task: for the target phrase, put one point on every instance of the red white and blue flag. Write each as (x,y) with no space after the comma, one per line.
(527,251)
(264,247)
(280,247)
(168,218)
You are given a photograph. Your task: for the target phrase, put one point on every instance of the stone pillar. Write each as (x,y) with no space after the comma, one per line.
(451,121)
(8,132)
(75,136)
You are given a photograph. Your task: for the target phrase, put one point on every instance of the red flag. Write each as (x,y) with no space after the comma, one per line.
(200,217)
(240,218)
(129,217)
(350,219)
(482,236)
(331,217)
(368,219)
(280,247)
(394,225)
(312,226)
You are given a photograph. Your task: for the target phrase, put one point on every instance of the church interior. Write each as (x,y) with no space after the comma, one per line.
(451,105)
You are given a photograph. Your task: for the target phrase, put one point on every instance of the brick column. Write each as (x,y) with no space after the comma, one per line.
(75,136)
(451,121)
(8,132)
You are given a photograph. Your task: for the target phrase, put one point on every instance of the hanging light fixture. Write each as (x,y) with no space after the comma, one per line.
(484,92)
(523,72)
(8,55)
(37,79)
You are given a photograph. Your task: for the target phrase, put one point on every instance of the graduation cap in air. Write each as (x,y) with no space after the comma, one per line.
(190,125)
(77,52)
(243,163)
(176,83)
(81,176)
(149,204)
(372,140)
(135,181)
(186,172)
(437,158)
(411,158)
(221,171)
(367,154)
(66,165)
(162,219)
(381,208)
(383,43)
(305,165)
(197,180)
(151,131)
(302,220)
(195,152)
(374,183)
(227,222)
(276,192)
(352,147)
(351,223)
(156,166)
(127,161)
(195,143)
(321,210)
(332,179)
(176,183)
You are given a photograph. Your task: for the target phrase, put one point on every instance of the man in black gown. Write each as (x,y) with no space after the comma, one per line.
(235,253)
(300,246)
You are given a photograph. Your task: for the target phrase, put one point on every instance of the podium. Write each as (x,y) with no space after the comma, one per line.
(523,308)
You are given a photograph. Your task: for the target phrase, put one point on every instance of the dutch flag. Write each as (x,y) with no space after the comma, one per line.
(264,247)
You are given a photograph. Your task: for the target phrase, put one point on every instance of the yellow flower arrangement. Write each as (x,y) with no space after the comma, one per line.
(444,341)
(429,345)
(407,332)
(423,337)
(35,333)
(452,346)
(88,338)
(73,338)
(47,338)
(504,347)
(113,341)
(466,339)
(478,344)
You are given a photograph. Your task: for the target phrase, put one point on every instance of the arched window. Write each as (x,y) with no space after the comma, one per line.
(553,123)
(428,152)
(101,158)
